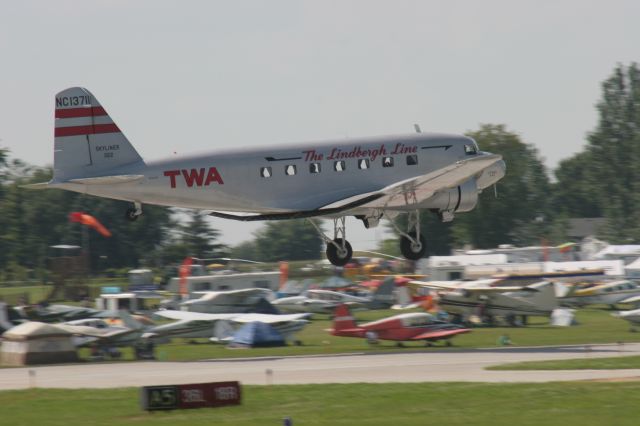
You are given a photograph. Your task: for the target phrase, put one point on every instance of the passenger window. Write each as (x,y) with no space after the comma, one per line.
(265,172)
(412,160)
(363,164)
(387,161)
(290,170)
(314,168)
(339,166)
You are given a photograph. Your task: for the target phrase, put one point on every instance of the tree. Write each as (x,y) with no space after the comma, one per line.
(287,240)
(604,179)
(199,237)
(521,213)
(32,221)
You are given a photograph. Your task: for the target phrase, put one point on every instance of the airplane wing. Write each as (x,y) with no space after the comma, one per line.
(422,187)
(179,328)
(232,297)
(185,315)
(468,286)
(632,299)
(237,318)
(440,334)
(268,318)
(417,189)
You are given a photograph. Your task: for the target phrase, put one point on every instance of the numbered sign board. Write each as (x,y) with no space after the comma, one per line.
(196,395)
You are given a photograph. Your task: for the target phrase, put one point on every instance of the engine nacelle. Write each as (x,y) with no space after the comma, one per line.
(460,199)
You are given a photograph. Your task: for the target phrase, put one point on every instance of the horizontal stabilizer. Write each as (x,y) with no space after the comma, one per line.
(108,180)
(39,185)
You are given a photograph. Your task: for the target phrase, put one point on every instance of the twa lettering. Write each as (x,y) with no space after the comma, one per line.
(195,177)
(359,152)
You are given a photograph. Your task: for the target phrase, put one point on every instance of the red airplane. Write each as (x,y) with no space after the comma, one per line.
(404,327)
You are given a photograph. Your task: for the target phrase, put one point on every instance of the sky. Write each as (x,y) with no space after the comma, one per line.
(185,76)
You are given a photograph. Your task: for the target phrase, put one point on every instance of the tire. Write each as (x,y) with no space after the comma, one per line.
(409,251)
(333,255)
(131,215)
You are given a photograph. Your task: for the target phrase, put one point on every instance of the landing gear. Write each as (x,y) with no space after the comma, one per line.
(134,212)
(413,245)
(339,250)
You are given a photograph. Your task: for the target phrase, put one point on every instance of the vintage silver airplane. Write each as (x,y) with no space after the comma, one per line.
(369,178)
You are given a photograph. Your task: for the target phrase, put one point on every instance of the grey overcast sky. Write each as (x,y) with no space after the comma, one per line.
(183,76)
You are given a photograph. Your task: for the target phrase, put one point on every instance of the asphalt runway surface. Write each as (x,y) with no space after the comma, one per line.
(450,366)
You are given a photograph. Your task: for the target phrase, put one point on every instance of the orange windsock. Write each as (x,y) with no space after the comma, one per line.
(88,220)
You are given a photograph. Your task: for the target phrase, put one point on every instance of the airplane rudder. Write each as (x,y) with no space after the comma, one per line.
(342,318)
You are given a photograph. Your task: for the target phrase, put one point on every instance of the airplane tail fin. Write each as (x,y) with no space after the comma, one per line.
(342,320)
(128,320)
(5,323)
(223,331)
(544,296)
(383,297)
(265,307)
(403,299)
(87,141)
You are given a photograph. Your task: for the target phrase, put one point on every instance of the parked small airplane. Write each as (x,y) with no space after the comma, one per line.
(608,293)
(54,313)
(369,178)
(633,316)
(480,299)
(92,330)
(325,301)
(219,327)
(244,300)
(9,317)
(413,326)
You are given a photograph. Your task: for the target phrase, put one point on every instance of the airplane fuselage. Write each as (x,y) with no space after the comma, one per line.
(291,178)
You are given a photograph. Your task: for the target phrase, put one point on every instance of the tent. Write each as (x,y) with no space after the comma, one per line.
(256,334)
(37,343)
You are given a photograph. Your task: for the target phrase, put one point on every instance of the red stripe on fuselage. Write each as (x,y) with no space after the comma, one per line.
(80,112)
(86,130)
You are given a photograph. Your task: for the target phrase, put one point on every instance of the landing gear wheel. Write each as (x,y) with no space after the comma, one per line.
(131,214)
(339,257)
(411,250)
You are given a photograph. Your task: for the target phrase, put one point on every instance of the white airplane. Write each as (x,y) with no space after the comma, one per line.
(232,301)
(325,301)
(89,330)
(633,316)
(369,178)
(608,293)
(219,327)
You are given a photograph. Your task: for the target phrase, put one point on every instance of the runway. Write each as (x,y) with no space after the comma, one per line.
(453,366)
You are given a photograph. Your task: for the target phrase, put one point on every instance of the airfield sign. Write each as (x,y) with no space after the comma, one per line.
(197,395)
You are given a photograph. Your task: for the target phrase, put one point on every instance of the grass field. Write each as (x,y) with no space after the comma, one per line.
(595,326)
(359,404)
(613,363)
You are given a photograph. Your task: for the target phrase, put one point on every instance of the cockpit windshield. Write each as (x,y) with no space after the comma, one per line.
(471,148)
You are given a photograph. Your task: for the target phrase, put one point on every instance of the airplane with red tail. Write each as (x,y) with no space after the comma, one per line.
(370,178)
(400,328)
